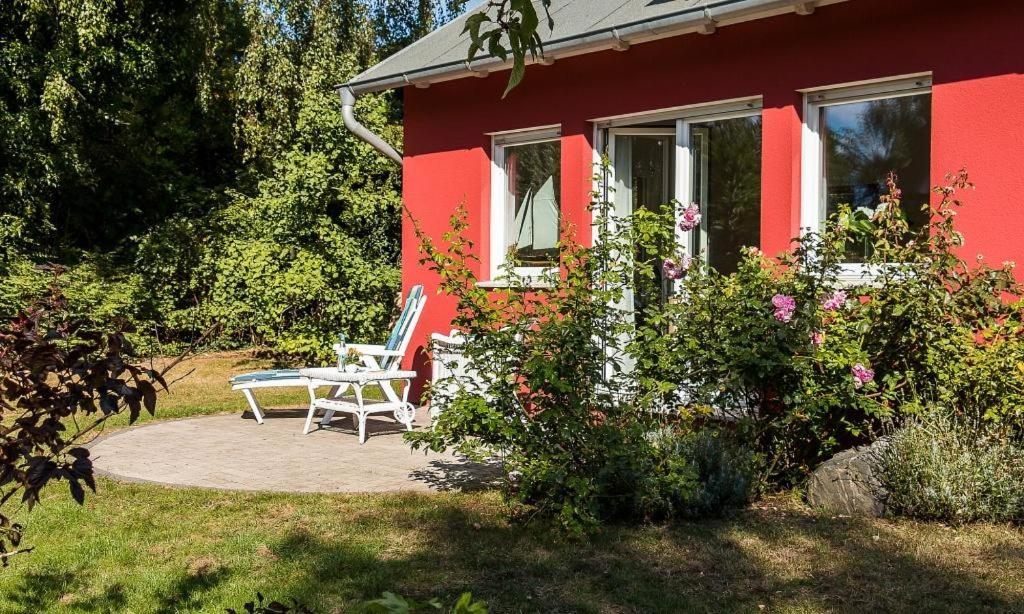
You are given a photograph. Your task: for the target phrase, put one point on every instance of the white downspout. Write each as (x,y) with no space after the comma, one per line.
(348,102)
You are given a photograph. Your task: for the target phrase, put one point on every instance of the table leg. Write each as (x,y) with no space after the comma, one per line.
(312,409)
(362,414)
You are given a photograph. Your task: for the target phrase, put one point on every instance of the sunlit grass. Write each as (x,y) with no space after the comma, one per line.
(143,548)
(147,548)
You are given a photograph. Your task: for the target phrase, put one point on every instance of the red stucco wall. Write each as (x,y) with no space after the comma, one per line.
(975,51)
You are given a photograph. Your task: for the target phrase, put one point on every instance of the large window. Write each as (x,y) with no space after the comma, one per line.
(525,203)
(854,138)
(726,170)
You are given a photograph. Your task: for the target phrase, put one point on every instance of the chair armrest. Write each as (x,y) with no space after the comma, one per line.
(372,350)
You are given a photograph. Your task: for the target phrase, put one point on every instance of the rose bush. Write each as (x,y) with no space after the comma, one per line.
(788,360)
(807,361)
(552,392)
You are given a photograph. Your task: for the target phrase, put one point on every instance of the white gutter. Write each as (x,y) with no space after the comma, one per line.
(703,19)
(348,102)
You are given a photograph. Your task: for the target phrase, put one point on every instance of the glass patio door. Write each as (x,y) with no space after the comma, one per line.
(643,168)
(723,176)
(712,160)
(642,177)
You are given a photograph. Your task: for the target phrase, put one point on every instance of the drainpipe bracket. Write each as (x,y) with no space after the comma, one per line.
(804,7)
(709,25)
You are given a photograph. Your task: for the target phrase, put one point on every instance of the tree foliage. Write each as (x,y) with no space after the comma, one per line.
(186,162)
(311,250)
(113,111)
(508,28)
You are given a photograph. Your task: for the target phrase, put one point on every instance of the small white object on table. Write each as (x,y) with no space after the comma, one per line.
(339,380)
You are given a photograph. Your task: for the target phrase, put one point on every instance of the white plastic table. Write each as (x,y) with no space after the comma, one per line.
(339,381)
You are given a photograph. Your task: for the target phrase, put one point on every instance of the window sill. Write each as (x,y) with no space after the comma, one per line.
(853,274)
(505,284)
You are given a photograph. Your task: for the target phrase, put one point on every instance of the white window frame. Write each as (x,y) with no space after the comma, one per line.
(812,163)
(684,117)
(502,216)
(684,164)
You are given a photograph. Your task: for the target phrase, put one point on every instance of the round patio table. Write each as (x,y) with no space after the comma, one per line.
(339,382)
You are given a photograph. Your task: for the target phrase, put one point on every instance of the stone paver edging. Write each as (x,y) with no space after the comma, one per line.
(232,452)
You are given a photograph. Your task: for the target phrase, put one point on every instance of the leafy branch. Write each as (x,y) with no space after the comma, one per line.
(511,31)
(54,370)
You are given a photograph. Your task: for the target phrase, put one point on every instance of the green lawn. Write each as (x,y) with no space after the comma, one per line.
(199,385)
(145,548)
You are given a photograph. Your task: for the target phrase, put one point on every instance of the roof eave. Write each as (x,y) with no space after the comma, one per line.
(702,20)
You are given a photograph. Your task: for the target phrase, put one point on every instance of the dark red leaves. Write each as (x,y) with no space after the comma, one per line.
(53,371)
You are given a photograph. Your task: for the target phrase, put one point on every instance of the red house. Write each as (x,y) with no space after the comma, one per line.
(768,113)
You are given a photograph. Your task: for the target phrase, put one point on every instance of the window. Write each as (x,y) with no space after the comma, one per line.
(853,138)
(709,154)
(526,200)
(726,183)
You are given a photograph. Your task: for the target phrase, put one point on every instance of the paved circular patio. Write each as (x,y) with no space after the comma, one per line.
(234,452)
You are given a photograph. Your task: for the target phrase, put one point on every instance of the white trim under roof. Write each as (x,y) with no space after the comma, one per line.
(690,111)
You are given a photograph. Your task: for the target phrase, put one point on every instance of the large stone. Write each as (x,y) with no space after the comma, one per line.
(847,484)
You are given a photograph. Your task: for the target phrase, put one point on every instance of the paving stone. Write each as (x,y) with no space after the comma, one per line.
(232,452)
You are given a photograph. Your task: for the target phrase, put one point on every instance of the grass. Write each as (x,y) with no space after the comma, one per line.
(146,548)
(199,386)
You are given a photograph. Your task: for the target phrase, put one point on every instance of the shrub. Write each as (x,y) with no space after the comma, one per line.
(284,274)
(938,467)
(553,392)
(93,290)
(808,364)
(722,471)
(571,426)
(60,380)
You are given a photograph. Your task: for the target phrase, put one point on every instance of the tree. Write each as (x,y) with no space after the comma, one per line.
(399,23)
(61,380)
(312,249)
(113,111)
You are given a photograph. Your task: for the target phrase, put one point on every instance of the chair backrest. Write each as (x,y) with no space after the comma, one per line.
(401,334)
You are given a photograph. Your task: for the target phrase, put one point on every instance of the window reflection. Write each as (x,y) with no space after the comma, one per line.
(863,142)
(727,185)
(533,188)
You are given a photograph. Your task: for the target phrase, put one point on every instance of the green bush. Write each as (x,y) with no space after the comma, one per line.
(938,467)
(95,290)
(554,395)
(721,471)
(807,364)
(573,434)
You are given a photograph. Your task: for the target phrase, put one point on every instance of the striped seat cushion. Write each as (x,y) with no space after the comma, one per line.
(266,376)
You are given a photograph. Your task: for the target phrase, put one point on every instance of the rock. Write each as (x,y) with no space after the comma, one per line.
(846,483)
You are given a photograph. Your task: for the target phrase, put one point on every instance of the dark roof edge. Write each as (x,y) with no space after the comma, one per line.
(694,19)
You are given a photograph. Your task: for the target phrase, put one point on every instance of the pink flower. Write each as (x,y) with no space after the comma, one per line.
(690,218)
(861,375)
(784,307)
(835,302)
(817,338)
(671,270)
